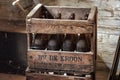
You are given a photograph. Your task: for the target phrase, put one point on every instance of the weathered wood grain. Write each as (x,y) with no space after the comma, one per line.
(35,11)
(92,15)
(61,60)
(59,26)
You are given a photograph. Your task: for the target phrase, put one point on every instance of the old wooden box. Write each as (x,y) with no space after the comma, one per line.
(71,62)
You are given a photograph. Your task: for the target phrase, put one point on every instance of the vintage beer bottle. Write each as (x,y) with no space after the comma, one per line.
(33,45)
(55,42)
(40,42)
(85,17)
(82,45)
(68,43)
(58,16)
(44,14)
(72,16)
(48,15)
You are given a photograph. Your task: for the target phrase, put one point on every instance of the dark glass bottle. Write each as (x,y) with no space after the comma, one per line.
(47,15)
(54,42)
(82,45)
(33,45)
(58,16)
(40,42)
(86,16)
(68,43)
(72,16)
(44,14)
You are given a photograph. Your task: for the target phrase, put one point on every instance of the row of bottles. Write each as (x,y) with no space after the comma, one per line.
(68,42)
(47,15)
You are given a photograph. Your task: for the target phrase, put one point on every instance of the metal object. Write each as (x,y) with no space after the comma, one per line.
(113,71)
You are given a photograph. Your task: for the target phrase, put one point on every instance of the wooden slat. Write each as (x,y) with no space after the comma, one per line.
(38,76)
(60,60)
(92,15)
(59,26)
(35,11)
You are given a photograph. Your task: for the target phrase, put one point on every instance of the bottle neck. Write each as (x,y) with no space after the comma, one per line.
(58,16)
(72,16)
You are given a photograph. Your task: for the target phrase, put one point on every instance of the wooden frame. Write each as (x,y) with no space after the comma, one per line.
(41,59)
(38,76)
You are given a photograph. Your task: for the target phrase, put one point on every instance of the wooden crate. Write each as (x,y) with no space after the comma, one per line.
(62,61)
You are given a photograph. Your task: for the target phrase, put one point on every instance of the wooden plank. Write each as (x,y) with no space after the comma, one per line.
(35,11)
(61,60)
(92,15)
(58,26)
(94,43)
(38,76)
